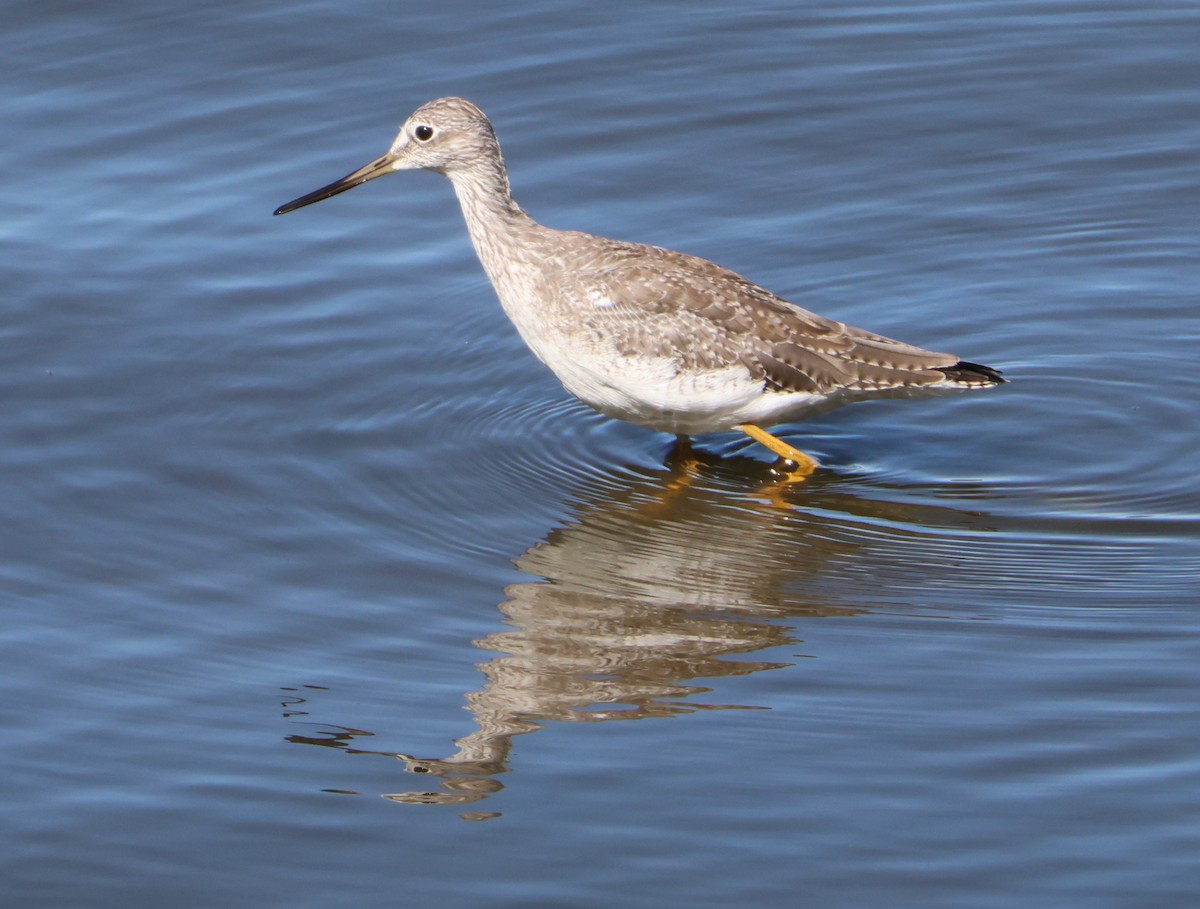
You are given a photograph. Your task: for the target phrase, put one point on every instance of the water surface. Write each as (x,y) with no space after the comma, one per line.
(319,589)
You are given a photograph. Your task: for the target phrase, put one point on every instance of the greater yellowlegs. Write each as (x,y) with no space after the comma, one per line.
(659,338)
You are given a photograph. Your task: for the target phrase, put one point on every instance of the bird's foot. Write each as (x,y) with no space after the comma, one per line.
(793,466)
(791,471)
(684,465)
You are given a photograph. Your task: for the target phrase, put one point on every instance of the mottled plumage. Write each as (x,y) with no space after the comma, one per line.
(659,338)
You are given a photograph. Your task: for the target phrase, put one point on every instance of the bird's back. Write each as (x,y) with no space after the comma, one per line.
(646,301)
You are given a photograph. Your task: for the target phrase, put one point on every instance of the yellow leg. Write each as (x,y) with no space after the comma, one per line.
(684,463)
(799,464)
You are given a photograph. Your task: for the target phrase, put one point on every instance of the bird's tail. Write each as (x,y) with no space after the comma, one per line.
(972,375)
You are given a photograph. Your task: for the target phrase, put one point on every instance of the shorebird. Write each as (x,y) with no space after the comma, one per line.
(658,338)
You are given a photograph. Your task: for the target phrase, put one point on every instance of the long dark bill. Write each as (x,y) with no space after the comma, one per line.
(376,168)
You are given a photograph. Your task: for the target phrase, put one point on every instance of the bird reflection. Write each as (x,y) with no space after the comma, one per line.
(655,583)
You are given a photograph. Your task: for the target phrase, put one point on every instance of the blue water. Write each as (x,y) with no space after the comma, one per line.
(318,589)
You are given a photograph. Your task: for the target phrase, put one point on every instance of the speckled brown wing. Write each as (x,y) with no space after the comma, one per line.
(644,302)
(663,303)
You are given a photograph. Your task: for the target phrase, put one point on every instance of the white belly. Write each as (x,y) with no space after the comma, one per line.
(653,394)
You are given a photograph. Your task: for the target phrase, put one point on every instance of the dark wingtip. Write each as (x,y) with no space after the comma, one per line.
(965,373)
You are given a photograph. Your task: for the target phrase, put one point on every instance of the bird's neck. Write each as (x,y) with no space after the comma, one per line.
(494,221)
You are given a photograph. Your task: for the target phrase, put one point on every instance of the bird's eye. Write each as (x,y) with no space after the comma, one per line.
(423,133)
